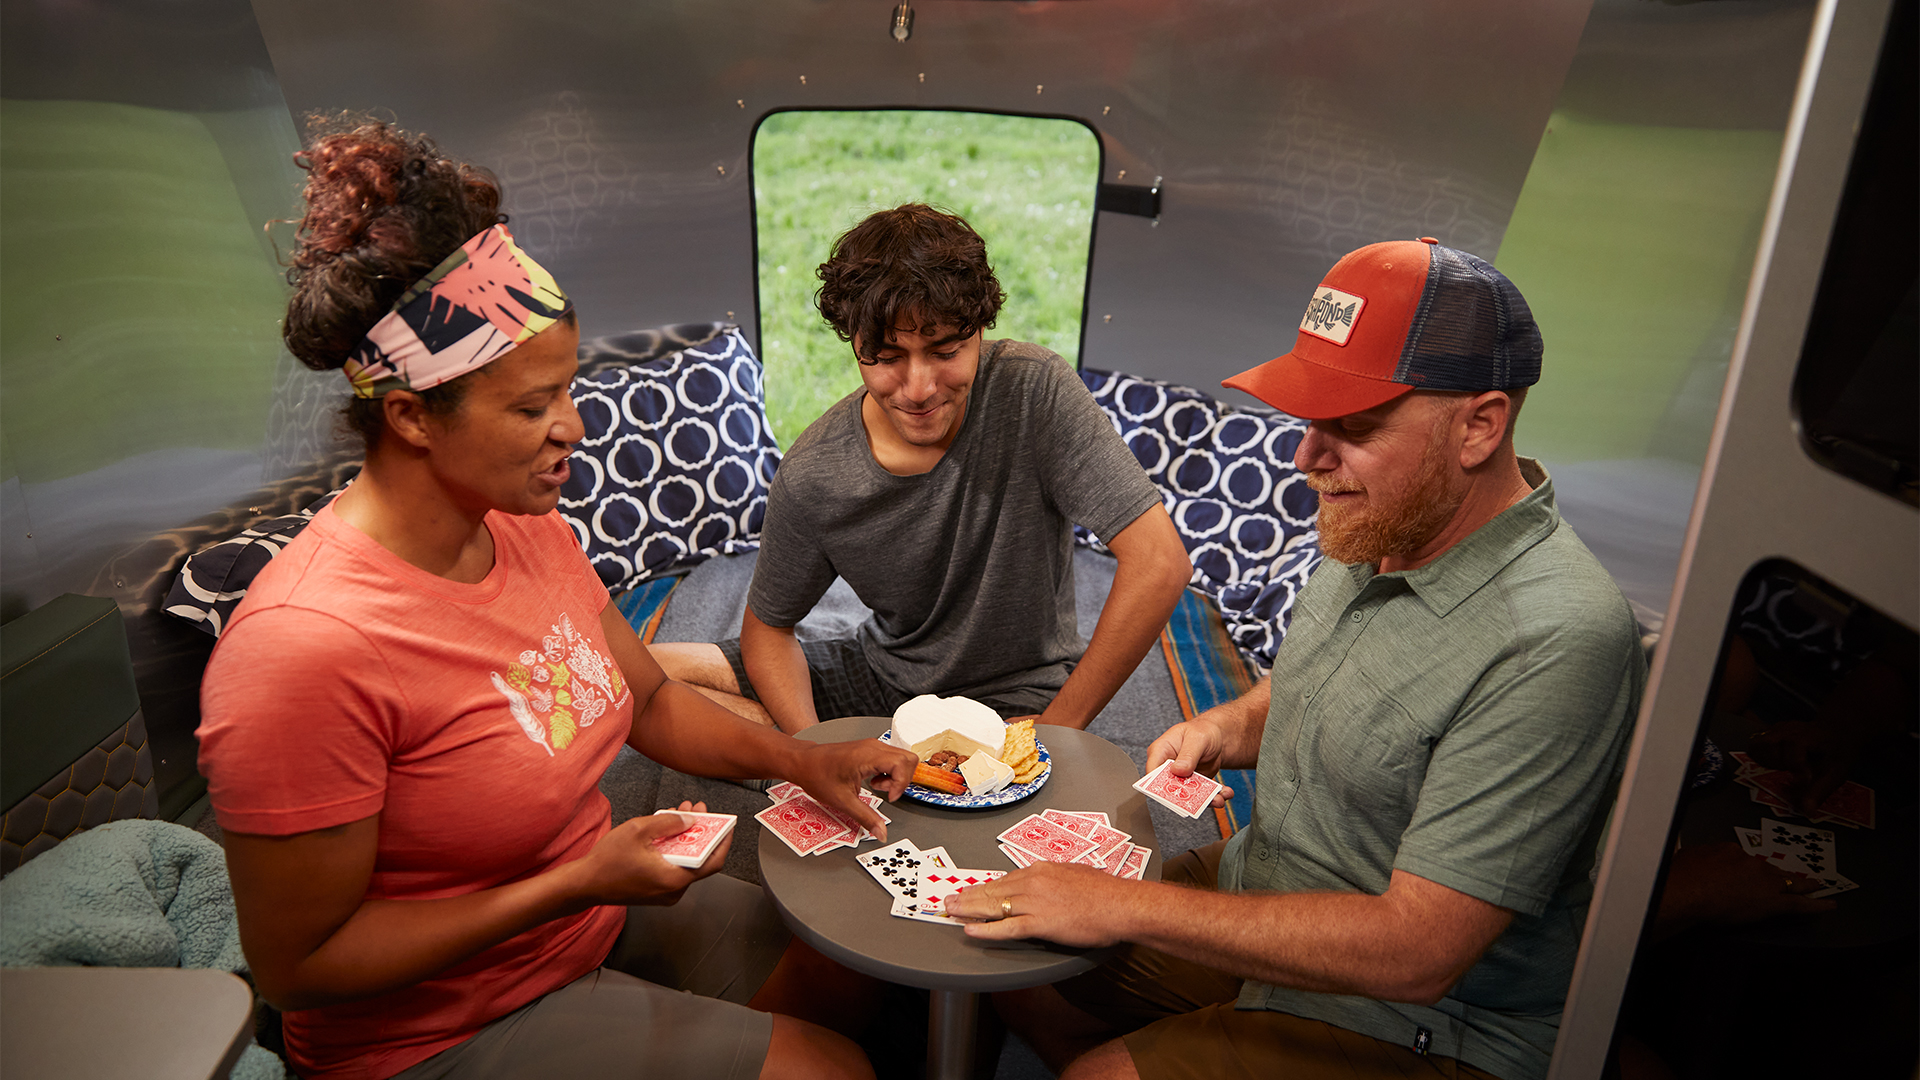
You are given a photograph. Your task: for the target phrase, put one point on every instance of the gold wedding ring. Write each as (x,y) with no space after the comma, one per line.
(1006,908)
(1789,883)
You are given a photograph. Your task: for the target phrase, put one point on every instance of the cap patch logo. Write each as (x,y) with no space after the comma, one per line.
(1331,315)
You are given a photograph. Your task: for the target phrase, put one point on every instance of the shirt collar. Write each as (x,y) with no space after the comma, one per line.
(1462,569)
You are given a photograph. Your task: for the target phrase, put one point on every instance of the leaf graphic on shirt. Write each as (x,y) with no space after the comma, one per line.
(523,713)
(561,723)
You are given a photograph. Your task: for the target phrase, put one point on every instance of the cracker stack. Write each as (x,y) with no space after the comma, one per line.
(1021,751)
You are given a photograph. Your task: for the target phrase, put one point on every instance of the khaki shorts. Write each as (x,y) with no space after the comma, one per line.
(669,1001)
(1180,1021)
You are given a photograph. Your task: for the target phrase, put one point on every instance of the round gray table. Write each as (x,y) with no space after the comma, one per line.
(832,904)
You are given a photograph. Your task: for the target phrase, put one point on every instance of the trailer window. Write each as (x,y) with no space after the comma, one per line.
(1027,184)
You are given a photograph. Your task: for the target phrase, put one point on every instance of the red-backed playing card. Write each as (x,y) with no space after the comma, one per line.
(801,823)
(690,847)
(1047,841)
(1189,795)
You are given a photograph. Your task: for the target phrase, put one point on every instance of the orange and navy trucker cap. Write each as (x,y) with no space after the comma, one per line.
(1398,316)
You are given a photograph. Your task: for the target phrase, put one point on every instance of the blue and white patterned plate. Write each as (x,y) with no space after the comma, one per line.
(1012,793)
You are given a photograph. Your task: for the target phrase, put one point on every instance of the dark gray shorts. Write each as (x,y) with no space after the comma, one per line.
(669,1001)
(844,684)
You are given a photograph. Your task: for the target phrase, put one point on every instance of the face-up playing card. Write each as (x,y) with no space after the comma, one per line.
(937,856)
(1187,795)
(690,847)
(1047,841)
(937,885)
(896,867)
(802,824)
(1812,847)
(1751,840)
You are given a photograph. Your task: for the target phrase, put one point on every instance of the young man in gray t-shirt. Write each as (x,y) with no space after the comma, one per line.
(944,492)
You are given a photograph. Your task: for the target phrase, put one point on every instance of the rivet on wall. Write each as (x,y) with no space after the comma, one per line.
(742,102)
(722,169)
(1105,109)
(923,76)
(1123,174)
(1039,87)
(1106,318)
(729,314)
(803,80)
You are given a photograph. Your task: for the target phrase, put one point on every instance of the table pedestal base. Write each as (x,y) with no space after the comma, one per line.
(950,1026)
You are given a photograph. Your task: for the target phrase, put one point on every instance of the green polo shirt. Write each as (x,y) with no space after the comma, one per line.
(1463,722)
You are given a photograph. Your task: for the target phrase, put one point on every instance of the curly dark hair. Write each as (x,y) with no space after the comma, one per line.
(383,207)
(914,261)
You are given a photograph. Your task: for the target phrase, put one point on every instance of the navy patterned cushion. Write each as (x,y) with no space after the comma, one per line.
(214,579)
(676,460)
(1226,474)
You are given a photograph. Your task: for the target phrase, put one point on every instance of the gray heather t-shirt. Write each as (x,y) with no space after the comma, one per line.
(1463,722)
(968,567)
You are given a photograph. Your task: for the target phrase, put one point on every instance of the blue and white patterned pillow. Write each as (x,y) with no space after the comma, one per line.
(676,459)
(1226,474)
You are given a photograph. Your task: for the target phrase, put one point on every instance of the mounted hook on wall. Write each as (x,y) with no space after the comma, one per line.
(902,21)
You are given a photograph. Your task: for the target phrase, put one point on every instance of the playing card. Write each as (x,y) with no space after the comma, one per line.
(910,909)
(937,856)
(896,867)
(1751,840)
(802,824)
(784,790)
(1079,824)
(1117,859)
(690,847)
(1016,856)
(1189,795)
(1134,866)
(1046,840)
(1813,848)
(937,885)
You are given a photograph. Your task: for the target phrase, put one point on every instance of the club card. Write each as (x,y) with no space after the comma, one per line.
(1188,795)
(801,823)
(896,867)
(910,909)
(1047,841)
(690,846)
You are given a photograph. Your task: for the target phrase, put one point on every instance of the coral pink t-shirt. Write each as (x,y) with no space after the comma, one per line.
(475,719)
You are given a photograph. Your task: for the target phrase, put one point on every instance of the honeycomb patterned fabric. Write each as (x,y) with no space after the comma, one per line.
(1226,475)
(112,782)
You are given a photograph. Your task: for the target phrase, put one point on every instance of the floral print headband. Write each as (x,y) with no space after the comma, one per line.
(479,303)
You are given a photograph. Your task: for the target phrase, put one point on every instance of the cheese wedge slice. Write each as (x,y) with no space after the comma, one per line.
(985,774)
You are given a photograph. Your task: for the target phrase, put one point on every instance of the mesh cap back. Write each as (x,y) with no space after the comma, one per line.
(1472,331)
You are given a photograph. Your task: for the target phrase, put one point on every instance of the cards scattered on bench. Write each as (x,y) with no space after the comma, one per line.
(1851,804)
(809,826)
(1797,851)
(1074,836)
(690,846)
(1187,795)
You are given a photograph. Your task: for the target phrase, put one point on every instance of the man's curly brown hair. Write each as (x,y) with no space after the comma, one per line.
(912,261)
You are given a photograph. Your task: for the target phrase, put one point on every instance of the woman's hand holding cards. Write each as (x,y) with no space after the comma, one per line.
(626,867)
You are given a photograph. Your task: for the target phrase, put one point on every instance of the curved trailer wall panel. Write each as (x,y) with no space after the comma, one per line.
(1762,497)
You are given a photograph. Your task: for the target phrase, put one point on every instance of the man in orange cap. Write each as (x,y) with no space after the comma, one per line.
(1437,746)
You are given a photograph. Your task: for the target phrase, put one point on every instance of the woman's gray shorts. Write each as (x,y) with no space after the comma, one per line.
(669,1001)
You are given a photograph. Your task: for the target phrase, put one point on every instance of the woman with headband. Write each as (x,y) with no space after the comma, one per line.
(405,723)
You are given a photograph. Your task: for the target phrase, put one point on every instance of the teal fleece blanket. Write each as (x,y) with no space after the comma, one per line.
(128,894)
